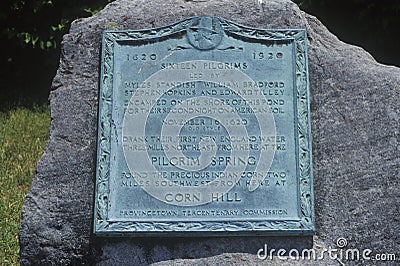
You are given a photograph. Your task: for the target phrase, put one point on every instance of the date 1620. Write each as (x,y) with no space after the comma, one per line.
(141,57)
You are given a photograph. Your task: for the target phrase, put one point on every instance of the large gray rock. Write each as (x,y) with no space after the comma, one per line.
(356,148)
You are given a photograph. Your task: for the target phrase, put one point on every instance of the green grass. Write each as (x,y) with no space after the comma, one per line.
(23,133)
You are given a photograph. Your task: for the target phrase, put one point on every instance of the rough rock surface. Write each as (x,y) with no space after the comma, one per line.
(356,148)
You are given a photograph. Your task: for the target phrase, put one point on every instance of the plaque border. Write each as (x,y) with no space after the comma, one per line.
(305,226)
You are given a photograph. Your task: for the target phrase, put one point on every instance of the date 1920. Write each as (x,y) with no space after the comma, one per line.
(267,55)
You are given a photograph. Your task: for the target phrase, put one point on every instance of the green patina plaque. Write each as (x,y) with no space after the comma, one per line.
(204,129)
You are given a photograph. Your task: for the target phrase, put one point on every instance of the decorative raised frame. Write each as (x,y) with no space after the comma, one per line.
(305,226)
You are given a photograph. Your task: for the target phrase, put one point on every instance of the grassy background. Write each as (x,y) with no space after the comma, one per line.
(23,134)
